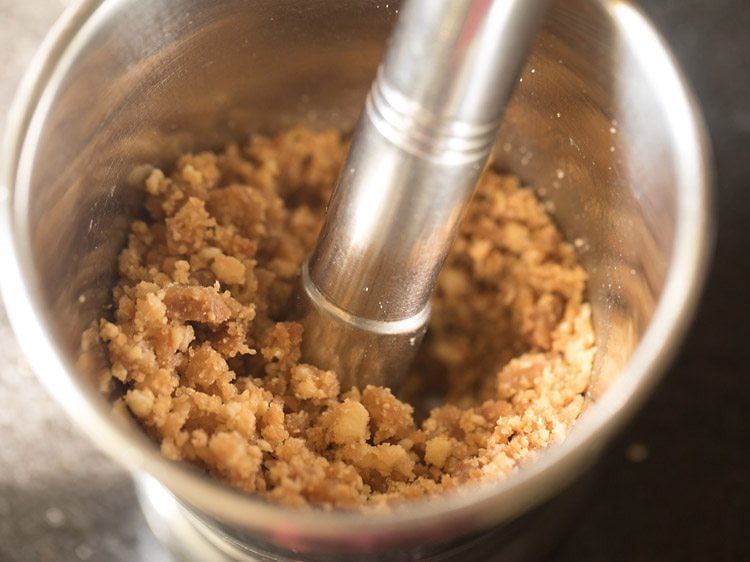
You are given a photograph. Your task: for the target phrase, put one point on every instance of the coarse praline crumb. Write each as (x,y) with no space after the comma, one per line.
(209,361)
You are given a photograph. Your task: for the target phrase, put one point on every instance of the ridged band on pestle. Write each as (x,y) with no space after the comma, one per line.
(414,129)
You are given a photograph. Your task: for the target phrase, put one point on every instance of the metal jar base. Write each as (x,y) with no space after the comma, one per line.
(530,537)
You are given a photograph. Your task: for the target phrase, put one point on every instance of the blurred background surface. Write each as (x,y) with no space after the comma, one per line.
(674,486)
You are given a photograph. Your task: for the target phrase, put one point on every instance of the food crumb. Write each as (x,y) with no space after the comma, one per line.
(205,353)
(84,552)
(636,452)
(54,517)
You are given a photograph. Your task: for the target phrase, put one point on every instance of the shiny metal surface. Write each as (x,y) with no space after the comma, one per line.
(602,125)
(429,123)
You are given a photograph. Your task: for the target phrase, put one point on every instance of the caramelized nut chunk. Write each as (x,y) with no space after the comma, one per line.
(311,383)
(348,423)
(196,304)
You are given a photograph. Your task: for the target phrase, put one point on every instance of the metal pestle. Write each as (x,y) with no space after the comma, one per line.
(429,123)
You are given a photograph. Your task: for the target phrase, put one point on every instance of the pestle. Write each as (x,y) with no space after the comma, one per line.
(424,137)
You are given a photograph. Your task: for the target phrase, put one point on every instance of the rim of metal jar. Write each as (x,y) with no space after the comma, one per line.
(486,503)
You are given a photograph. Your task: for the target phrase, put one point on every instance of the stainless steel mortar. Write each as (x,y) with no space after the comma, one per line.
(602,125)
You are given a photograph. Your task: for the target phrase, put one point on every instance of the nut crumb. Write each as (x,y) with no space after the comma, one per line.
(636,452)
(210,362)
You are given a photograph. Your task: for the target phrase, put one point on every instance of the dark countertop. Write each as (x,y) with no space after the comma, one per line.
(674,486)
